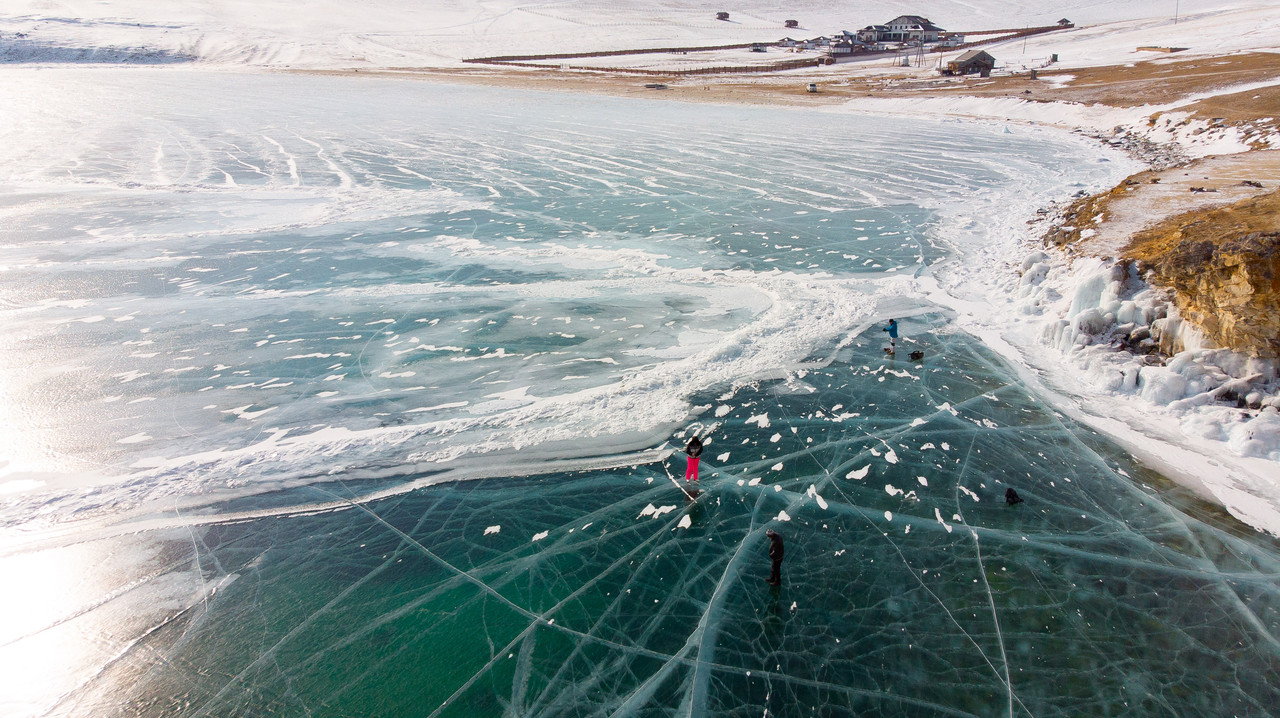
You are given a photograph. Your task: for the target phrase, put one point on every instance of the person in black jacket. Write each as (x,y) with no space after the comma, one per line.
(694,450)
(775,555)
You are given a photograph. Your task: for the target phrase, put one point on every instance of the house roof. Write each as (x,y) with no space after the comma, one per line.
(922,22)
(973,55)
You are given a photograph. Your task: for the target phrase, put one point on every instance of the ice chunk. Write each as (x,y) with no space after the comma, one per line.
(859,473)
(813,492)
(782,516)
(938,514)
(492,530)
(1260,436)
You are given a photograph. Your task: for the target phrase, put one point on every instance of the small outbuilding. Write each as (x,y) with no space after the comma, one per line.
(841,48)
(972,62)
(722,16)
(792,23)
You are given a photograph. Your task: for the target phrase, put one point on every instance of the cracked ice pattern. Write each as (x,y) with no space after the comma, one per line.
(1100,595)
(225,320)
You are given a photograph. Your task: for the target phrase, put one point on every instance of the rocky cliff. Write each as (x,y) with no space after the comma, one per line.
(1224,267)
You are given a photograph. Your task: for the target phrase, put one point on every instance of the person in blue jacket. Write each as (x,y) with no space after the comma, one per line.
(893,334)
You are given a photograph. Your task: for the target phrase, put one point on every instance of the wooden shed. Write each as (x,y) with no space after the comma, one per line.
(971,62)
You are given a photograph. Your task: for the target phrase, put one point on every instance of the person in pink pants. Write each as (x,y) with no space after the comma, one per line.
(694,450)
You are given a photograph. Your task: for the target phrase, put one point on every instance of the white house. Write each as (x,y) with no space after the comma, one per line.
(906,28)
(871,33)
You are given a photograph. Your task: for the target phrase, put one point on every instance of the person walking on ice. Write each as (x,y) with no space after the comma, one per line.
(893,335)
(694,450)
(775,555)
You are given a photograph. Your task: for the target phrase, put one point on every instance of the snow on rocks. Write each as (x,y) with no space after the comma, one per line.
(1123,336)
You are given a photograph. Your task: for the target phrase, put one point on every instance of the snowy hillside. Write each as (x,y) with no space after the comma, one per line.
(396,33)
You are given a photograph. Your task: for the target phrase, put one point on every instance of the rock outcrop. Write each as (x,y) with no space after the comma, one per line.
(1224,268)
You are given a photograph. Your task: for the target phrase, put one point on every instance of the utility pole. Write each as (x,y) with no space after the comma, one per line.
(1175,11)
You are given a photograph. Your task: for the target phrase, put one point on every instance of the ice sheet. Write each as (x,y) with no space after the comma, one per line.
(263,338)
(1108,590)
(247,297)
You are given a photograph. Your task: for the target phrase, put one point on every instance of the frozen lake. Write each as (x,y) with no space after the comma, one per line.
(327,396)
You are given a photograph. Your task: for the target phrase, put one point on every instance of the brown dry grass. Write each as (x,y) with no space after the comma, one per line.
(1155,81)
(1146,198)
(1218,226)
(1159,80)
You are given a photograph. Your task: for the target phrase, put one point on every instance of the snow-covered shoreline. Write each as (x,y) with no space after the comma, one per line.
(1112,351)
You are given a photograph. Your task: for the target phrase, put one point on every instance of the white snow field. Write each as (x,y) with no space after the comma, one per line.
(400,33)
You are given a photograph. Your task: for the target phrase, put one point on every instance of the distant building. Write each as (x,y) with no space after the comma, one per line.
(792,23)
(722,16)
(906,28)
(1065,23)
(840,48)
(972,62)
(788,42)
(872,33)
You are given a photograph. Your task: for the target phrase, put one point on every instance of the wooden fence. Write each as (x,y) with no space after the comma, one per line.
(720,70)
(1010,35)
(501,59)
(532,60)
